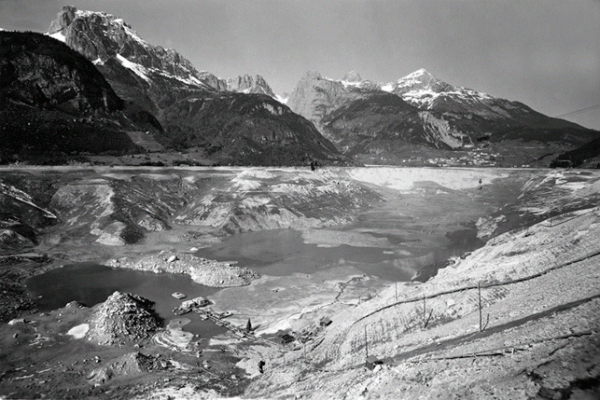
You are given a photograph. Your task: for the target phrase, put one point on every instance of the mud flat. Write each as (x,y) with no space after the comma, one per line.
(281,303)
(404,179)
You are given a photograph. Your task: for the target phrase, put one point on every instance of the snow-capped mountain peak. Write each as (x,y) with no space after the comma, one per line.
(422,89)
(419,74)
(422,80)
(100,36)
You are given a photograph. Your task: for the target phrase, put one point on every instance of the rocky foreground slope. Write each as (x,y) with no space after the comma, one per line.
(536,337)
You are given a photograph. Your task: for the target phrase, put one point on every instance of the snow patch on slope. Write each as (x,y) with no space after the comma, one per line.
(190,80)
(425,98)
(439,130)
(132,33)
(387,87)
(352,84)
(281,99)
(136,68)
(420,98)
(58,36)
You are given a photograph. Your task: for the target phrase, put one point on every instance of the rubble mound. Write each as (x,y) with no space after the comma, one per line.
(123,318)
(130,364)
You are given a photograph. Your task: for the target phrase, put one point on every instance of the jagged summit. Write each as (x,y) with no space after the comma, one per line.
(103,38)
(248,84)
(420,74)
(352,76)
(419,80)
(69,14)
(312,75)
(353,80)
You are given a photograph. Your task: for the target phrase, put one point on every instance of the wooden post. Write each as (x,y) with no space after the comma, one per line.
(366,345)
(480,311)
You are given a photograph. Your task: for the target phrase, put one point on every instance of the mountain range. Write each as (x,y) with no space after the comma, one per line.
(419,118)
(195,113)
(125,95)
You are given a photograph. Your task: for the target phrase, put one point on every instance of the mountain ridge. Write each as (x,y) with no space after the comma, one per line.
(447,122)
(55,104)
(199,111)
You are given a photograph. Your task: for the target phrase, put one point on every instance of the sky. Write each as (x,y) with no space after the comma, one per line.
(544,53)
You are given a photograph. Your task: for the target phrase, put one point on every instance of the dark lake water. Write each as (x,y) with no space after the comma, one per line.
(91,284)
(281,252)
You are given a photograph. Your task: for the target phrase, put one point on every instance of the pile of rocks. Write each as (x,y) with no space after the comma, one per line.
(123,318)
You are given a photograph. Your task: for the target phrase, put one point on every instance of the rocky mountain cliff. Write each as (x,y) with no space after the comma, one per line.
(249,84)
(102,38)
(197,109)
(420,118)
(54,103)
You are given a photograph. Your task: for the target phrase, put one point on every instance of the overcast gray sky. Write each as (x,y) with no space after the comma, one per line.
(544,53)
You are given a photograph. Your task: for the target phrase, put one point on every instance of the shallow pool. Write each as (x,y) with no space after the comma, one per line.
(91,284)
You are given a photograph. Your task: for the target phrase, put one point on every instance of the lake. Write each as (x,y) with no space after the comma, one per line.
(91,284)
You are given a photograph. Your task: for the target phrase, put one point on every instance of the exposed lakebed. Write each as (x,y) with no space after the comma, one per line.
(322,256)
(408,235)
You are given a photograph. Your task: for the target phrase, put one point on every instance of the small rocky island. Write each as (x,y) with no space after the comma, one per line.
(201,270)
